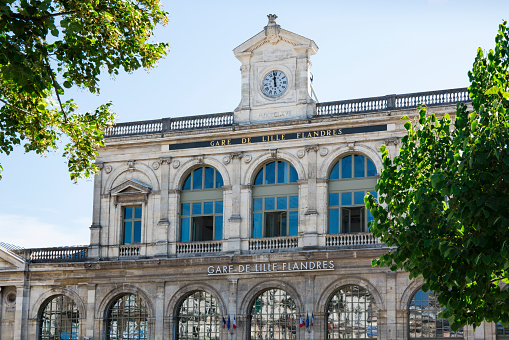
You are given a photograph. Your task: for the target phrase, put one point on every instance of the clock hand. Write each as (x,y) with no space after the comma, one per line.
(274,77)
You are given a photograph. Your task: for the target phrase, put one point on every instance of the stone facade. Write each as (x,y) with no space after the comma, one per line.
(146,164)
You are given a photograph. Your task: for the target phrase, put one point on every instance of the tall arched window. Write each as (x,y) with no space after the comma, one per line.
(349,181)
(273,315)
(59,319)
(276,201)
(423,319)
(198,317)
(126,318)
(202,206)
(351,314)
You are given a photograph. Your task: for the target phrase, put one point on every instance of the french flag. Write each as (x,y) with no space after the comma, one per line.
(307,320)
(302,323)
(224,323)
(312,319)
(234,323)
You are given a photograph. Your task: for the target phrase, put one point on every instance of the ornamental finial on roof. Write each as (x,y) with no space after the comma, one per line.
(272,19)
(272,30)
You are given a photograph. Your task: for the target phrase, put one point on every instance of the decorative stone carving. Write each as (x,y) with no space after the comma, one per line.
(245,68)
(301,153)
(272,30)
(391,141)
(99,165)
(273,153)
(247,158)
(108,169)
(324,152)
(351,145)
(166,160)
(238,155)
(227,160)
(130,164)
(156,164)
(199,159)
(312,148)
(176,164)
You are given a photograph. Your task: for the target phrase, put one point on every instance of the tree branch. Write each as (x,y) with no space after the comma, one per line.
(15,107)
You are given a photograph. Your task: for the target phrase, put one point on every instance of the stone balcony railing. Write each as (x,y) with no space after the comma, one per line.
(351,240)
(284,242)
(199,247)
(54,254)
(129,250)
(336,108)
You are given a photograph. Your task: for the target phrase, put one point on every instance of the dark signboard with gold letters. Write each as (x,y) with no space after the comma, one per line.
(280,137)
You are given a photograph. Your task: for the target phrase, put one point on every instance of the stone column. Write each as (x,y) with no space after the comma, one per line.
(95,228)
(310,233)
(91,297)
(21,314)
(174,233)
(311,332)
(232,308)
(235,219)
(163,225)
(391,305)
(159,317)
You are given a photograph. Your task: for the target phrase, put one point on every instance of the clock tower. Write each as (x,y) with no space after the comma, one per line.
(276,77)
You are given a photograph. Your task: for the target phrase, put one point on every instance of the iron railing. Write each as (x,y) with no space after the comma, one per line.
(54,254)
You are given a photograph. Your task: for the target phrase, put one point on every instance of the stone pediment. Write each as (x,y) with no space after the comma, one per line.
(274,34)
(130,190)
(9,260)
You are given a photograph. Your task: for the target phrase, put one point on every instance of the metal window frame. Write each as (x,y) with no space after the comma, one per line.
(202,322)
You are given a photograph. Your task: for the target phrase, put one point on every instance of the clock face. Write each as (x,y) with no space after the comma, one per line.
(274,84)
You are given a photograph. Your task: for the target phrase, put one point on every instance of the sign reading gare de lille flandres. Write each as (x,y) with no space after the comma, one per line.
(269,267)
(280,137)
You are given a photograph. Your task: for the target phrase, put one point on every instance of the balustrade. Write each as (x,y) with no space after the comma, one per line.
(55,254)
(129,250)
(199,247)
(273,243)
(354,239)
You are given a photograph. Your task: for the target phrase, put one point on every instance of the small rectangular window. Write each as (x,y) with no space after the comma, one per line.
(131,222)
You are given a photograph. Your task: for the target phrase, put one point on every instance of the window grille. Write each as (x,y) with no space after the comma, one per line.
(59,319)
(127,318)
(199,317)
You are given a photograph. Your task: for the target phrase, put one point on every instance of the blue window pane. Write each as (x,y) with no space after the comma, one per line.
(196,208)
(284,223)
(137,212)
(346,198)
(333,221)
(185,230)
(186,209)
(294,223)
(218,228)
(282,172)
(128,213)
(371,168)
(187,184)
(208,208)
(258,204)
(334,174)
(219,207)
(334,199)
(294,177)
(294,202)
(257,225)
(219,180)
(197,179)
(270,203)
(259,178)
(358,197)
(209,178)
(137,232)
(270,173)
(359,166)
(128,226)
(282,202)
(346,167)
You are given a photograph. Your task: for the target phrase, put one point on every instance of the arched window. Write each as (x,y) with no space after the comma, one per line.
(59,319)
(198,317)
(276,201)
(273,315)
(349,181)
(423,319)
(351,314)
(202,206)
(127,318)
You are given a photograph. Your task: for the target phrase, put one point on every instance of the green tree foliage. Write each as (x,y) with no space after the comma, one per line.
(47,46)
(444,200)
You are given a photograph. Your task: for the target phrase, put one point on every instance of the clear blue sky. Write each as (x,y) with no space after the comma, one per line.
(366,48)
